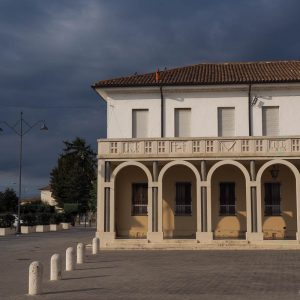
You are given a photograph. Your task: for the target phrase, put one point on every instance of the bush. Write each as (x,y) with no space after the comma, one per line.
(67,218)
(6,221)
(43,219)
(37,207)
(55,218)
(28,220)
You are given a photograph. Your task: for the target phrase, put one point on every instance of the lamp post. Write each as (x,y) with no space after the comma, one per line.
(21,132)
(274,172)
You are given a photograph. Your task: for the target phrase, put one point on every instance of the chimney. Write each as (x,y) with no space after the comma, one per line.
(157,76)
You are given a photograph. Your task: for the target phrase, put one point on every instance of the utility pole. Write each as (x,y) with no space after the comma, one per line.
(21,132)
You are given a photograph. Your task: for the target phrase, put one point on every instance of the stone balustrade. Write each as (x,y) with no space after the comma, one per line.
(200,147)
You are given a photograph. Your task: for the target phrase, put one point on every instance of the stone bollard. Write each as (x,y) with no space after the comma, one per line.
(96,243)
(80,253)
(35,278)
(55,267)
(70,264)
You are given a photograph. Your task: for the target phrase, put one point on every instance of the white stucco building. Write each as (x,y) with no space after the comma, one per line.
(46,196)
(200,154)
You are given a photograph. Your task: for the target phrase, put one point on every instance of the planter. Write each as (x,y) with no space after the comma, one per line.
(42,228)
(7,231)
(66,225)
(55,227)
(27,229)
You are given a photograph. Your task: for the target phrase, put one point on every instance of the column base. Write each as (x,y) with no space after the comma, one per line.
(155,237)
(254,236)
(204,237)
(106,236)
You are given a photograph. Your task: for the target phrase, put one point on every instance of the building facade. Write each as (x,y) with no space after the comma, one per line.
(201,154)
(46,196)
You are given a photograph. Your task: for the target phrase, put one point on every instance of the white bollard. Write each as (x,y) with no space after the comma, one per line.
(80,253)
(55,267)
(70,264)
(95,243)
(35,278)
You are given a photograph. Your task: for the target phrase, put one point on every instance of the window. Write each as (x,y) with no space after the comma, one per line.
(182,122)
(183,202)
(139,199)
(140,123)
(270,121)
(227,199)
(272,199)
(226,121)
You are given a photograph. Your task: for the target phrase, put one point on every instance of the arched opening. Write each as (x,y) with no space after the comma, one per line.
(228,202)
(179,202)
(131,202)
(278,202)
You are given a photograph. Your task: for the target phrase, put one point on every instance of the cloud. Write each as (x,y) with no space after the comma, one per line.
(51,52)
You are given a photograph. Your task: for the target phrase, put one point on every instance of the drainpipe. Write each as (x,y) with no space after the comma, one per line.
(249,110)
(157,79)
(162,109)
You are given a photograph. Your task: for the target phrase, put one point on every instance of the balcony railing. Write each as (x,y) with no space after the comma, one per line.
(199,147)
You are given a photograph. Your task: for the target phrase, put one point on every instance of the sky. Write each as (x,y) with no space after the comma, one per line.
(52,51)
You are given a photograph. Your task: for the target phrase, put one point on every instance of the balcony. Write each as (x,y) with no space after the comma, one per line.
(217,147)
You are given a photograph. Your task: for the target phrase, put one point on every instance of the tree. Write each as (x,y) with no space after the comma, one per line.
(8,201)
(93,198)
(72,179)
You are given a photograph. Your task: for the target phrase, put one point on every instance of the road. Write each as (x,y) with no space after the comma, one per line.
(221,274)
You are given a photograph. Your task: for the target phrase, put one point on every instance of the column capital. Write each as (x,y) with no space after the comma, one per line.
(108,185)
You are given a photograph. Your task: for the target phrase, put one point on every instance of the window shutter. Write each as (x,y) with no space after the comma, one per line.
(140,123)
(182,122)
(226,121)
(270,121)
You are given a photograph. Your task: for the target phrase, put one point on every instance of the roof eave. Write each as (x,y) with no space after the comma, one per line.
(97,87)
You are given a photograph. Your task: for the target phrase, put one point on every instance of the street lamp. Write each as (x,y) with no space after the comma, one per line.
(21,132)
(274,171)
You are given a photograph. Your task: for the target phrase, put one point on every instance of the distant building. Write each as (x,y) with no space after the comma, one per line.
(31,200)
(46,196)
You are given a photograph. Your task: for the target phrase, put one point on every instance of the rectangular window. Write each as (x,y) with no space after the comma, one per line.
(272,199)
(139,199)
(226,121)
(182,122)
(270,121)
(183,201)
(227,199)
(140,123)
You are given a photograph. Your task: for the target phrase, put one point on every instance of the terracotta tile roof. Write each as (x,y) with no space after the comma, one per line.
(220,73)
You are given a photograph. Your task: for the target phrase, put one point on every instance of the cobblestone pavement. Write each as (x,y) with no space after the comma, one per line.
(221,274)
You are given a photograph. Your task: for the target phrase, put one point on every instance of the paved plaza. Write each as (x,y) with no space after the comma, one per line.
(220,274)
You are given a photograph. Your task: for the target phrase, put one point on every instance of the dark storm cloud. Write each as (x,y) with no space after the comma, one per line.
(52,51)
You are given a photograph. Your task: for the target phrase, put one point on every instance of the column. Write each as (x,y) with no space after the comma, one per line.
(100,198)
(204,234)
(107,209)
(203,198)
(154,198)
(253,198)
(155,233)
(203,209)
(298,206)
(255,234)
(109,204)
(107,198)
